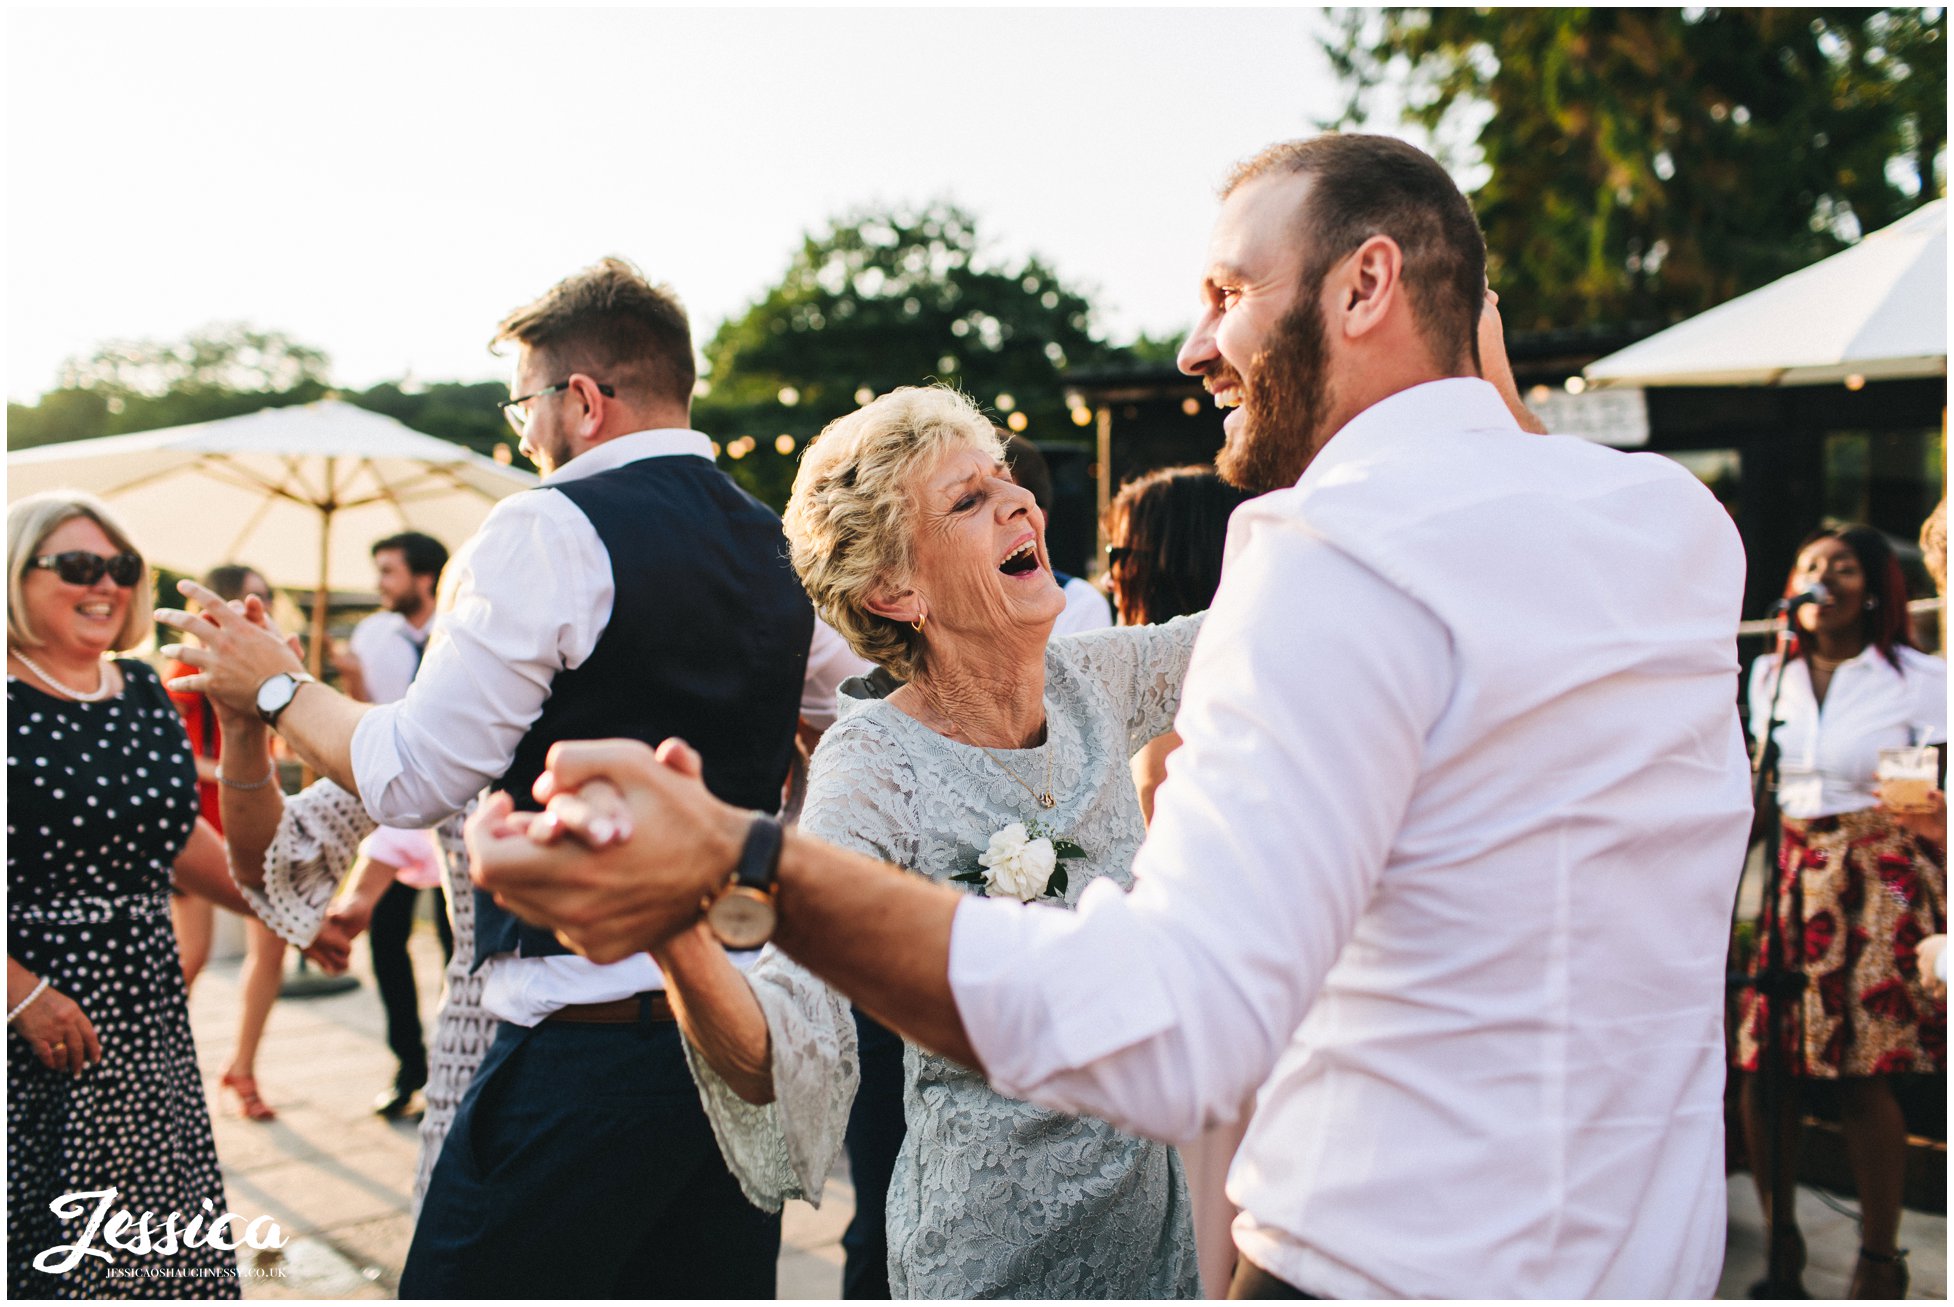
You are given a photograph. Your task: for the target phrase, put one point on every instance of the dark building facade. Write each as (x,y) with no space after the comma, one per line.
(1781,459)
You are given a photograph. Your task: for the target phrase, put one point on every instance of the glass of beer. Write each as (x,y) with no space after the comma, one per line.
(1906,778)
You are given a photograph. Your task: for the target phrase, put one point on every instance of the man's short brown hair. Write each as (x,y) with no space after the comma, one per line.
(611,324)
(1364,186)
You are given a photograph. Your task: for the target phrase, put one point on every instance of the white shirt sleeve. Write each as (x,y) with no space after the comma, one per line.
(1759,695)
(829,662)
(365,637)
(525,598)
(1926,676)
(1303,728)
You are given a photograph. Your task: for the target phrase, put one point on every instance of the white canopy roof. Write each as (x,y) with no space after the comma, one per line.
(1877,310)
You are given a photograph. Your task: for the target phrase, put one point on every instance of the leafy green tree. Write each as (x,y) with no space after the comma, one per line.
(141,385)
(886,299)
(464,412)
(234,357)
(227,371)
(1652,163)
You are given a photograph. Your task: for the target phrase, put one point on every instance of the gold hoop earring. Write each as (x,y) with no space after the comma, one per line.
(917,625)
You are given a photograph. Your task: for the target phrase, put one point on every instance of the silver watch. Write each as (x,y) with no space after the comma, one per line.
(275,694)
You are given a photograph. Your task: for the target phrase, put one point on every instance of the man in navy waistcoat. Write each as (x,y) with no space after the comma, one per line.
(638,592)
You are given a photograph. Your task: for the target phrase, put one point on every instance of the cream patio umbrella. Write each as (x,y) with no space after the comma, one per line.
(1876,311)
(300,493)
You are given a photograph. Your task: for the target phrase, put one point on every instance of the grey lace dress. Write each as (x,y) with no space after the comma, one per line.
(991,1197)
(317,842)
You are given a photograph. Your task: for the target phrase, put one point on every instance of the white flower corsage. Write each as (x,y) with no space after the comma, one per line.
(1025,860)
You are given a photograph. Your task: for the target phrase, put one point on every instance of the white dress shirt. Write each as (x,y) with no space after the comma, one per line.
(390,649)
(1446,859)
(526,597)
(1826,759)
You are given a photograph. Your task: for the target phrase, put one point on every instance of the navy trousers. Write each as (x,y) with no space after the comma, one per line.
(875,1133)
(580,1165)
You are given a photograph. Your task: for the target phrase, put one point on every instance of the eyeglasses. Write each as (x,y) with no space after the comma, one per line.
(79,567)
(518,416)
(1117,554)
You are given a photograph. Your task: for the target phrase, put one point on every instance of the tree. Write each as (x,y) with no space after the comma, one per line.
(217,372)
(227,371)
(234,357)
(467,413)
(1652,163)
(880,300)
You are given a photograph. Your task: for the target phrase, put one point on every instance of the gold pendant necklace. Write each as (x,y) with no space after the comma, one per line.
(1045,800)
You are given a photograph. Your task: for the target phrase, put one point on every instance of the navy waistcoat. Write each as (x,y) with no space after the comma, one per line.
(707,640)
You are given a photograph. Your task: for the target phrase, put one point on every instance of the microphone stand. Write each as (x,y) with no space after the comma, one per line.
(1778,984)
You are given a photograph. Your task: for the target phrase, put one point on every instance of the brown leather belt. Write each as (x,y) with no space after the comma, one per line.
(652,1005)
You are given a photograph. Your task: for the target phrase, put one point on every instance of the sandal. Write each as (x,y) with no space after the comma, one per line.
(250,1106)
(1880,1275)
(1766,1288)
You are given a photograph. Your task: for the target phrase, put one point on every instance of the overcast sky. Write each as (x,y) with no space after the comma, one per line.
(387,184)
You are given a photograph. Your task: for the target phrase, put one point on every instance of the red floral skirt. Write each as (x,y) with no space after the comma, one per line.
(1868,893)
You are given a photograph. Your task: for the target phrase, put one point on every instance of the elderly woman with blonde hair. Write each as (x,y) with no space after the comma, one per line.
(1000,765)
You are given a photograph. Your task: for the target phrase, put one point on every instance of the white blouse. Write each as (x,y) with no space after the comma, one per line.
(1827,754)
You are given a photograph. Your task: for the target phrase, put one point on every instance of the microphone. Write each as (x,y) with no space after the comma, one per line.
(1815,593)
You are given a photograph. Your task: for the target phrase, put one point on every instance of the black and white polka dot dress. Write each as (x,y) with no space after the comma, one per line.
(101,799)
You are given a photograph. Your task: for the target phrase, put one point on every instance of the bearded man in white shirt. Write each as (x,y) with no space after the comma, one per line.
(383,656)
(1446,861)
(635,590)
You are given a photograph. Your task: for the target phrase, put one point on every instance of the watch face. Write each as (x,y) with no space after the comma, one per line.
(275,693)
(741,917)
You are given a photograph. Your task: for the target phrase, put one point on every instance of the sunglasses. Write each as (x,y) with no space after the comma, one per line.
(1117,554)
(79,567)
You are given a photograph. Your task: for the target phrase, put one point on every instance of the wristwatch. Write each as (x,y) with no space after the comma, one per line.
(742,915)
(275,694)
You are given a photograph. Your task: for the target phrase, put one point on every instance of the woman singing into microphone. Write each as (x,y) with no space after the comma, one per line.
(1856,893)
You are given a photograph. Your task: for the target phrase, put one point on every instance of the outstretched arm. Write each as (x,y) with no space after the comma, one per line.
(1495,367)
(878,935)
(251,815)
(1158,1009)
(201,869)
(717,1011)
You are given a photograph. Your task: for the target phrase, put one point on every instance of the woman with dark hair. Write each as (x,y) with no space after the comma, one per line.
(1166,531)
(1856,892)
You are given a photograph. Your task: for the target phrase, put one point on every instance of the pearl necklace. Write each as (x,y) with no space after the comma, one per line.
(95,695)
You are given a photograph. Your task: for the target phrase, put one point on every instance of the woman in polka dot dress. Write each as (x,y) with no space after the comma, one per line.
(103,1087)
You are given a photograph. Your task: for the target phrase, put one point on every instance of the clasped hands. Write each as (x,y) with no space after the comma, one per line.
(240,649)
(628,847)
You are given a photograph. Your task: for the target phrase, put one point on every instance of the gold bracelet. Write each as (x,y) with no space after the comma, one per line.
(258,784)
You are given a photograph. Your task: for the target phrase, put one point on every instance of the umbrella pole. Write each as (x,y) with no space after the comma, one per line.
(315,654)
